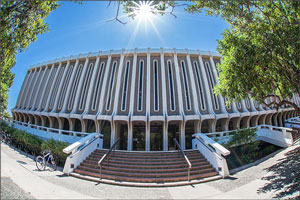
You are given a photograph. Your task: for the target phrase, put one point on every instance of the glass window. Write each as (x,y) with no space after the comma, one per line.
(200,86)
(97,86)
(140,89)
(212,85)
(110,86)
(125,86)
(171,86)
(186,89)
(156,86)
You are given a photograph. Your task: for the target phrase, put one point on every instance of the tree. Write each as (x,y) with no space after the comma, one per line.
(261,50)
(21,22)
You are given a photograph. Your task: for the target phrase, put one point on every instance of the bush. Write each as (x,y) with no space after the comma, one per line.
(34,144)
(56,147)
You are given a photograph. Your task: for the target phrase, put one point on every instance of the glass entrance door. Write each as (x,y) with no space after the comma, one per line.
(156,136)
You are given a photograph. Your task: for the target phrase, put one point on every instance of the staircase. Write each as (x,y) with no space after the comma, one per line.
(146,168)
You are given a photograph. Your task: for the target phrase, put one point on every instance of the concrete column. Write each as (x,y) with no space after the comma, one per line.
(63,110)
(80,85)
(103,94)
(214,70)
(60,87)
(163,81)
(118,83)
(179,89)
(113,133)
(182,134)
(132,89)
(44,90)
(41,83)
(52,86)
(34,89)
(91,87)
(193,86)
(206,86)
(24,85)
(130,136)
(147,146)
(165,136)
(24,100)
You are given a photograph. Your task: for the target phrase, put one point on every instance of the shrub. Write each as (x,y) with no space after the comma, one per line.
(34,144)
(56,147)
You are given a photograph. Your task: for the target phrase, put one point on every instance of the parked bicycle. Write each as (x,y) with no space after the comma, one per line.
(45,160)
(5,138)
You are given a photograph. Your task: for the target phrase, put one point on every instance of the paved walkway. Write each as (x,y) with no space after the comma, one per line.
(252,183)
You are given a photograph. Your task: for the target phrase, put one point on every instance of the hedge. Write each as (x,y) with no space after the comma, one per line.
(33,144)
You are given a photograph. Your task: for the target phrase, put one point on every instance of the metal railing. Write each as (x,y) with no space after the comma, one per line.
(106,155)
(185,157)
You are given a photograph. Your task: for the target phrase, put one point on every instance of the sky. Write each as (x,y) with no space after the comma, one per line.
(76,29)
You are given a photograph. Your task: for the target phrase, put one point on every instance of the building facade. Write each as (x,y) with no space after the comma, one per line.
(145,97)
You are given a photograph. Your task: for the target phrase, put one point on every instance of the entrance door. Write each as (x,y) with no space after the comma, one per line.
(123,134)
(173,132)
(156,136)
(138,136)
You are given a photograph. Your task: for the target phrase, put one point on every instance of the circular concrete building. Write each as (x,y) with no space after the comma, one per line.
(145,97)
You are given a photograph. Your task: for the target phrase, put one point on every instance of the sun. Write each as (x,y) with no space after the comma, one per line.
(144,10)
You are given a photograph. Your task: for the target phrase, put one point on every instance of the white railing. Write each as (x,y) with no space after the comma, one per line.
(46,132)
(80,150)
(213,152)
(280,136)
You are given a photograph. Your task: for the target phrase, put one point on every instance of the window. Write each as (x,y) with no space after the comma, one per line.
(200,86)
(212,85)
(140,89)
(247,103)
(239,106)
(171,86)
(99,77)
(155,64)
(125,86)
(186,89)
(110,86)
(229,105)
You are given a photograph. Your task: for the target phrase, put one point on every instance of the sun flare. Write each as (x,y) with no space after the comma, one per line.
(144,10)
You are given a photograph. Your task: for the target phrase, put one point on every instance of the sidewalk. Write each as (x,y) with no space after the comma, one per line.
(55,185)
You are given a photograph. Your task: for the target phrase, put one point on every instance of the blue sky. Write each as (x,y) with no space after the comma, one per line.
(84,28)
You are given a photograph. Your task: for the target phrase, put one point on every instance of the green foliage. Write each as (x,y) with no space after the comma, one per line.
(245,137)
(21,22)
(34,143)
(56,148)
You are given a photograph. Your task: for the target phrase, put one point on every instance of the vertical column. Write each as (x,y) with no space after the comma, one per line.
(26,91)
(165,135)
(102,94)
(147,147)
(60,87)
(118,84)
(182,135)
(206,86)
(80,85)
(130,135)
(179,89)
(91,87)
(24,85)
(39,87)
(33,91)
(45,88)
(52,87)
(190,70)
(132,89)
(69,87)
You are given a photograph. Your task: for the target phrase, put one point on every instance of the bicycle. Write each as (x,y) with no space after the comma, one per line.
(46,159)
(5,138)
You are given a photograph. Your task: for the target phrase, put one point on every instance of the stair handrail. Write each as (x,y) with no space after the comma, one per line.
(185,157)
(106,155)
